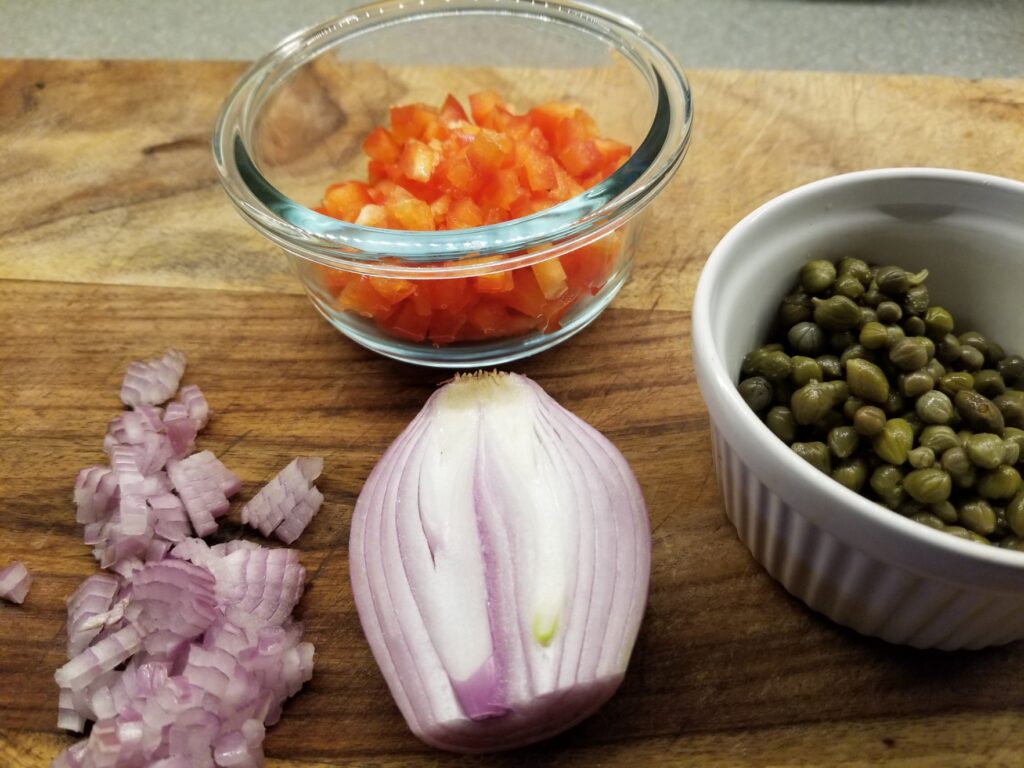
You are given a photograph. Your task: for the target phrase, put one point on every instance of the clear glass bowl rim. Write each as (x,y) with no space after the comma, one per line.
(399,253)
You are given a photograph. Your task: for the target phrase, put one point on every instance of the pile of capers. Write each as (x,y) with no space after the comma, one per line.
(869,383)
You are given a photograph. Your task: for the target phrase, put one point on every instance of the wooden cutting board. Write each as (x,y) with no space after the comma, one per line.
(117,242)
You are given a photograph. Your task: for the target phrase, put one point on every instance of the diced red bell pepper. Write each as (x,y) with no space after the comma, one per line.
(551,278)
(484,106)
(418,161)
(381,146)
(463,213)
(408,324)
(450,294)
(373,216)
(420,299)
(360,297)
(494,282)
(410,121)
(526,296)
(411,214)
(445,327)
(452,112)
(346,200)
(460,173)
(547,117)
(393,290)
(490,151)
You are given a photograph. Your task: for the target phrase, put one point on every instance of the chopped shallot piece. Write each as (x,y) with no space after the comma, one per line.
(95,491)
(153,382)
(286,504)
(14,583)
(204,485)
(195,404)
(99,658)
(181,429)
(93,598)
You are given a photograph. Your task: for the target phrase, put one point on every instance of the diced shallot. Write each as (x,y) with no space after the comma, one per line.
(14,583)
(153,382)
(286,504)
(204,485)
(182,658)
(194,400)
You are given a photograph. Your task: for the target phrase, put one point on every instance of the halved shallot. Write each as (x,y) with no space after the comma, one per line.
(500,557)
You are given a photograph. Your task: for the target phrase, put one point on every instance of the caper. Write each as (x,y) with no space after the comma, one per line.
(892,280)
(869,421)
(974,339)
(757,392)
(840,340)
(887,483)
(1012,369)
(1015,514)
(927,518)
(852,474)
(955,461)
(916,384)
(1011,452)
(971,358)
(914,326)
(1012,542)
(840,390)
(795,308)
(815,454)
(866,380)
(939,438)
(935,369)
(817,276)
(856,352)
(889,312)
(933,407)
(842,441)
(894,442)
(804,370)
(994,354)
(963,533)
(854,267)
(780,421)
(909,354)
(955,381)
(837,313)
(873,335)
(916,425)
(806,338)
(872,296)
(945,511)
(894,403)
(893,336)
(868,315)
(938,322)
(947,349)
(831,368)
(989,382)
(916,301)
(928,486)
(985,450)
(921,457)
(1015,436)
(978,412)
(1002,528)
(1011,405)
(977,516)
(850,407)
(1001,483)
(849,286)
(811,402)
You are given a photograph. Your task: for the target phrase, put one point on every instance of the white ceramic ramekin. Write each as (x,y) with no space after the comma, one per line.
(854,561)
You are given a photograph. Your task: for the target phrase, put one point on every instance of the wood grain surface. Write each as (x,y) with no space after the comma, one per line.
(117,242)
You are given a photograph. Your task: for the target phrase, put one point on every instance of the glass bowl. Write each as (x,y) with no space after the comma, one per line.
(296,121)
